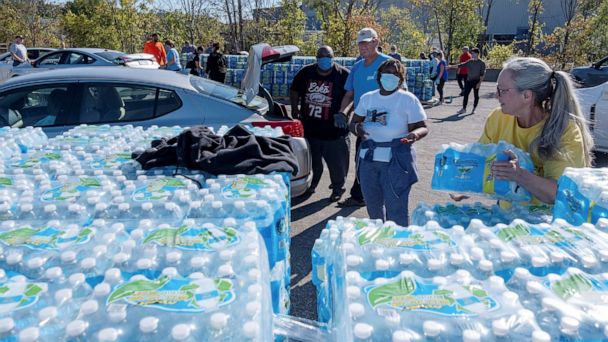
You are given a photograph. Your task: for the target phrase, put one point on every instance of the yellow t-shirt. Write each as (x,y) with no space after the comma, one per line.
(500,126)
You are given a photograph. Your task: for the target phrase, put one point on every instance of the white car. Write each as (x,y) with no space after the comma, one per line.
(79,57)
(594,104)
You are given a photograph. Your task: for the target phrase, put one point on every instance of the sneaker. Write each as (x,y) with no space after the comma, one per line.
(351,202)
(461,93)
(461,111)
(473,111)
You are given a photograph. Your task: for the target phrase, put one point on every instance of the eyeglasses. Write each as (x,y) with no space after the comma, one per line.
(502,91)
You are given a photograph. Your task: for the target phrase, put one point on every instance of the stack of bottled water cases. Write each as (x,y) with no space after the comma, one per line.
(467,168)
(80,215)
(558,270)
(452,214)
(582,195)
(14,141)
(278,77)
(66,281)
(380,282)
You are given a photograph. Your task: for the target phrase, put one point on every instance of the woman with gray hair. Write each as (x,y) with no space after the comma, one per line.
(539,113)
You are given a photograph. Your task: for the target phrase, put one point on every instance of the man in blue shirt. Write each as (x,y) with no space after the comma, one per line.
(362,79)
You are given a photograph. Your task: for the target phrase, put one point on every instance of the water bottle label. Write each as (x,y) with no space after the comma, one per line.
(32,162)
(111,161)
(5,182)
(457,169)
(417,240)
(76,141)
(570,203)
(194,238)
(19,295)
(581,287)
(417,294)
(45,238)
(158,190)
(70,191)
(176,294)
(535,235)
(246,187)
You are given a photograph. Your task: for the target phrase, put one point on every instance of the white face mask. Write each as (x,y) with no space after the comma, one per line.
(389,82)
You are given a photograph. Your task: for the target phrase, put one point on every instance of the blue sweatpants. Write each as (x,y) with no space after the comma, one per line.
(386,188)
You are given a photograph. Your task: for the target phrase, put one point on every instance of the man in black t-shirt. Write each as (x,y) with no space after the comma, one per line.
(318,89)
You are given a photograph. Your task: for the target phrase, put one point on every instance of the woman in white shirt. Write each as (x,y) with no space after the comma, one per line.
(389,120)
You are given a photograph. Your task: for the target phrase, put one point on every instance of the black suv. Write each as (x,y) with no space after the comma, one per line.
(593,75)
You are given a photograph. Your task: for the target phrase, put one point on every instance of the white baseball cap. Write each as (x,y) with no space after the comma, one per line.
(366,35)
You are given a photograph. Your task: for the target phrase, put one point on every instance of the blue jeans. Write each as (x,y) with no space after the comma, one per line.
(386,185)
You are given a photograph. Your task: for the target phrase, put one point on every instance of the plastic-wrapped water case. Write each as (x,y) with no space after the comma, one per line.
(541,248)
(582,195)
(467,168)
(570,306)
(407,307)
(451,214)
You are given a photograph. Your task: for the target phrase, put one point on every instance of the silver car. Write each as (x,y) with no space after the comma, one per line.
(82,57)
(32,53)
(58,100)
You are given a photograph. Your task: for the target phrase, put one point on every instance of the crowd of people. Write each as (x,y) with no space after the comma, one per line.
(538,114)
(168,57)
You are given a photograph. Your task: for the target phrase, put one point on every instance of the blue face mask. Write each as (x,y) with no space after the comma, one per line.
(325,63)
(389,82)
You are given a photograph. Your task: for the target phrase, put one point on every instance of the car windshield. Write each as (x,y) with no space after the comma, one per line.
(226,92)
(111,55)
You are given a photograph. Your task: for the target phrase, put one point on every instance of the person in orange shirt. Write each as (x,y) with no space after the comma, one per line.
(156,48)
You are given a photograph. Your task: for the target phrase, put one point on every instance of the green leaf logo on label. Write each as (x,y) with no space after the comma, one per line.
(572,285)
(245,187)
(194,238)
(176,294)
(112,161)
(158,190)
(19,295)
(45,238)
(536,235)
(417,240)
(70,191)
(5,181)
(417,294)
(34,161)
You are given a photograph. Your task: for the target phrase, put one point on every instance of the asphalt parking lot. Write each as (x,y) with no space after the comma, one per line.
(310,214)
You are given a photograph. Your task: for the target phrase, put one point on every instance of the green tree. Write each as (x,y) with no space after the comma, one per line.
(290,28)
(498,54)
(455,23)
(403,33)
(107,24)
(535,26)
(37,20)
(342,19)
(598,33)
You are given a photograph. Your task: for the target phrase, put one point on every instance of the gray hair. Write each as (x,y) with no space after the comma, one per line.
(554,93)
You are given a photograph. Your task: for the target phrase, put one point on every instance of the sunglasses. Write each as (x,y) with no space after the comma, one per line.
(502,91)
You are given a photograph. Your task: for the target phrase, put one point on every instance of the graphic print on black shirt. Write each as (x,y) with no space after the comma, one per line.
(318,99)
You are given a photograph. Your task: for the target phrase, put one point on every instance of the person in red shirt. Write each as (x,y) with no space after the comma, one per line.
(461,75)
(156,48)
